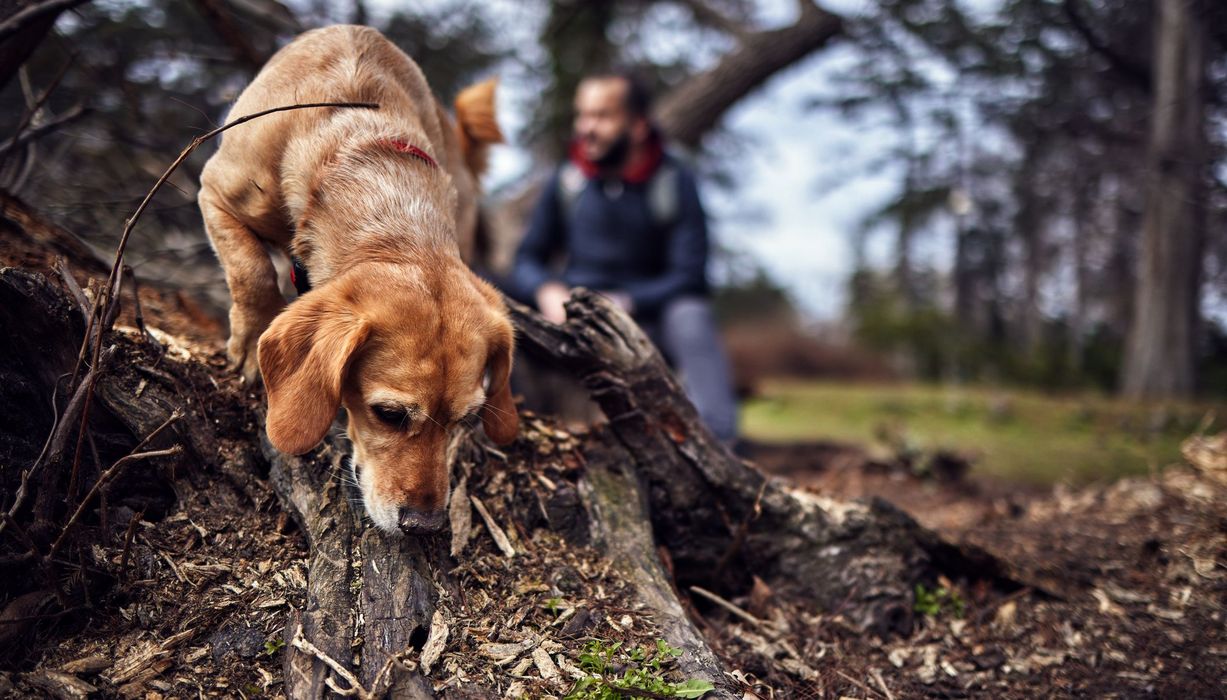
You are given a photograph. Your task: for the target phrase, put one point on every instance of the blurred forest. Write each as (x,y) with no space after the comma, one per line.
(1071,152)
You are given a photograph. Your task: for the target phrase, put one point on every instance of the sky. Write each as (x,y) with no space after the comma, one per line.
(808,176)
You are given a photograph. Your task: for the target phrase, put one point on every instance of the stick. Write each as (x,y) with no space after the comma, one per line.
(727,606)
(877,677)
(38,104)
(300,643)
(72,115)
(113,470)
(858,684)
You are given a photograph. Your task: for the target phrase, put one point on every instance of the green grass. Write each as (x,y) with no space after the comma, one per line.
(1014,434)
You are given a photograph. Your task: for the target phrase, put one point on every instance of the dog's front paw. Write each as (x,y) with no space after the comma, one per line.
(245,329)
(241,352)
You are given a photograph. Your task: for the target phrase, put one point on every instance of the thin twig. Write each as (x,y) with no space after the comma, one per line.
(88,386)
(61,266)
(728,606)
(858,684)
(300,643)
(876,675)
(196,142)
(20,496)
(128,535)
(111,471)
(102,480)
(38,104)
(68,117)
(102,301)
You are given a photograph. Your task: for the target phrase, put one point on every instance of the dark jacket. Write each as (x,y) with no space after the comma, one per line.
(611,241)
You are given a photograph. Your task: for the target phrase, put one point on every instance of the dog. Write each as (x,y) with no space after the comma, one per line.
(378,208)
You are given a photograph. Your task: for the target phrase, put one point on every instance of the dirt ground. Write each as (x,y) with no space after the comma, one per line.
(1124,588)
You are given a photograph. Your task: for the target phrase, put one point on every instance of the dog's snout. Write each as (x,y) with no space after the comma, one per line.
(416,522)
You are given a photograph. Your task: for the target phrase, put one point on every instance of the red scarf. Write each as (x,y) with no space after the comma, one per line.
(637,171)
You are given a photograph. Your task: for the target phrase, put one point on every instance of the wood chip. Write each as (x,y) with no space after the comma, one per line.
(500,537)
(506,653)
(436,642)
(131,666)
(460,514)
(545,665)
(88,665)
(60,685)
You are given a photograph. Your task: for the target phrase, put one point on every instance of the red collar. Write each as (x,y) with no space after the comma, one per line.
(636,172)
(405,147)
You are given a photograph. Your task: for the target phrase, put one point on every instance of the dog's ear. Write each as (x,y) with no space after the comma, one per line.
(498,415)
(303,357)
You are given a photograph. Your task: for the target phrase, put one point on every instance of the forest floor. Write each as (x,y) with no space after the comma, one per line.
(1124,595)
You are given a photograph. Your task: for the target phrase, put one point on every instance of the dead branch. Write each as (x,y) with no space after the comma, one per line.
(33,13)
(33,109)
(692,108)
(114,470)
(73,114)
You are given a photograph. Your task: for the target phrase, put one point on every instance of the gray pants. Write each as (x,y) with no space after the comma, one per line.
(686,333)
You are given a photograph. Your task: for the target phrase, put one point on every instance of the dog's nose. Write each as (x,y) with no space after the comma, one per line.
(416,522)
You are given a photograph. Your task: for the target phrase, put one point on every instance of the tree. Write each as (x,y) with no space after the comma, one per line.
(1160,355)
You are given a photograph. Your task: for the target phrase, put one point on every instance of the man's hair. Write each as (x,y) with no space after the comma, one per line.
(638,97)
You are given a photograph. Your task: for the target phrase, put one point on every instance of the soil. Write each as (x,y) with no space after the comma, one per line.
(1124,585)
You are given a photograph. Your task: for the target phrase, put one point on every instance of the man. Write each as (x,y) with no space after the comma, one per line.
(626,216)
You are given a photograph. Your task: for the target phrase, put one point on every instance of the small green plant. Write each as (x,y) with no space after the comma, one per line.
(554,606)
(932,602)
(617,673)
(272,646)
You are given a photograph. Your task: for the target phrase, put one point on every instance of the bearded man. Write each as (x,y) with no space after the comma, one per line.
(622,217)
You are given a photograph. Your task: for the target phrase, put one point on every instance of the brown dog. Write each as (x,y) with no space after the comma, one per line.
(378,206)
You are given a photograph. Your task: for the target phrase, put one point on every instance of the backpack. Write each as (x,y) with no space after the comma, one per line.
(664,200)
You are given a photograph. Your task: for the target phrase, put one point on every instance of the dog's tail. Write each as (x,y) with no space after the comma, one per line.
(476,124)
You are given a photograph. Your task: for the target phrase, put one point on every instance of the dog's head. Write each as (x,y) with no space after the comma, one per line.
(409,354)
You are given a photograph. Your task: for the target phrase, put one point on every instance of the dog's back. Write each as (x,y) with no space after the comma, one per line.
(261,173)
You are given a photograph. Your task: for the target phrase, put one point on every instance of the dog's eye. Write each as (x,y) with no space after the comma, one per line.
(391,415)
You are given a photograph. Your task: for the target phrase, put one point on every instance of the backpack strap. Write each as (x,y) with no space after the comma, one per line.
(663,197)
(571,184)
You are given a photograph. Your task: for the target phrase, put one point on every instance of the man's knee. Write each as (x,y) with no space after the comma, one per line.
(689,320)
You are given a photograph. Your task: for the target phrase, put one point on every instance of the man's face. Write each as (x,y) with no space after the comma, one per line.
(601,117)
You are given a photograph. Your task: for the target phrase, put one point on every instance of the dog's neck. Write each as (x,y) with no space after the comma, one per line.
(374,196)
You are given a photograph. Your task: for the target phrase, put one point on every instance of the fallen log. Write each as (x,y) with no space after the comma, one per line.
(718,517)
(567,553)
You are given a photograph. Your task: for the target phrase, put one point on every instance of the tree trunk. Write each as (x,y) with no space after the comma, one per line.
(1160,355)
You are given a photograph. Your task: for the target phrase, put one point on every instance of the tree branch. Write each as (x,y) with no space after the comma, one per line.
(72,115)
(33,13)
(693,108)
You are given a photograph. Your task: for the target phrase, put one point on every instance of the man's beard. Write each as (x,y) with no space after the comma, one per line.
(615,156)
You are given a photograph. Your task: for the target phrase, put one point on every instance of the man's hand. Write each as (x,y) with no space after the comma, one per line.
(550,298)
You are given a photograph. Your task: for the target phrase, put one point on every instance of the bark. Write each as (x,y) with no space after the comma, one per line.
(1160,354)
(693,108)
